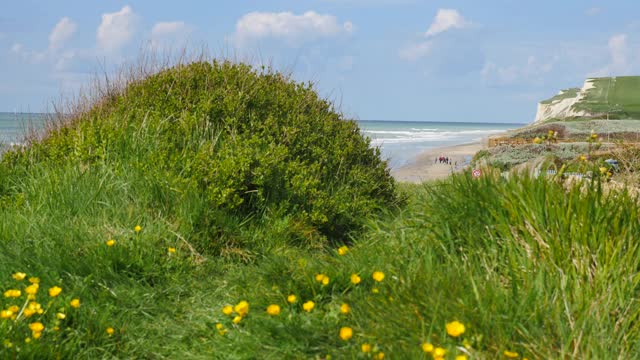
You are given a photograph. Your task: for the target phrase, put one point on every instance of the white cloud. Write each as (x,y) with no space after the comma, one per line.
(416,51)
(532,71)
(621,58)
(17,48)
(593,11)
(446,19)
(64,29)
(116,29)
(289,27)
(169,34)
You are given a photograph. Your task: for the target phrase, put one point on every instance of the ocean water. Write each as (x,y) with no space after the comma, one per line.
(399,141)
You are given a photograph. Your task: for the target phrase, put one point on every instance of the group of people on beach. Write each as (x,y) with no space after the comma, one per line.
(444,160)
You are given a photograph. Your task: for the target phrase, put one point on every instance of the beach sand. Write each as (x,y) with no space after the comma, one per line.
(424,168)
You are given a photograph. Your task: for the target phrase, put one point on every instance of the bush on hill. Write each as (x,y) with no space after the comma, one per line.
(251,142)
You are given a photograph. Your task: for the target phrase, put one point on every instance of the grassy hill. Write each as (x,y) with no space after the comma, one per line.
(617,96)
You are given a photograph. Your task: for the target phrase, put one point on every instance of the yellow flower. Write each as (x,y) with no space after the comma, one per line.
(603,170)
(6,314)
(171,250)
(427,347)
(19,276)
(273,310)
(32,289)
(378,276)
(60,316)
(219,326)
(366,348)
(292,299)
(379,356)
(227,310)
(537,140)
(342,250)
(242,308)
(455,328)
(28,312)
(14,308)
(583,158)
(34,280)
(137,229)
(594,136)
(320,277)
(461,357)
(27,340)
(355,279)
(439,352)
(110,331)
(511,354)
(54,291)
(375,290)
(308,306)
(36,334)
(345,309)
(12,293)
(110,242)
(36,326)
(7,343)
(35,307)
(346,333)
(237,319)
(56,328)
(325,281)
(75,303)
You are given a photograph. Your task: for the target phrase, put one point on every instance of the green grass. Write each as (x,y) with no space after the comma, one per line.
(527,265)
(564,94)
(618,96)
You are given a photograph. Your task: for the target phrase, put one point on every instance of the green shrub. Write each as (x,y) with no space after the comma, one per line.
(250,142)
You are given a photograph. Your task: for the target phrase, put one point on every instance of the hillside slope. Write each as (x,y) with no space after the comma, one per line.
(610,97)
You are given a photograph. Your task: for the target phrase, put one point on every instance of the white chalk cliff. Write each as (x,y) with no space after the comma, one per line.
(561,105)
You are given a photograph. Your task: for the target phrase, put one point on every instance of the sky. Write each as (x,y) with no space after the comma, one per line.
(412,60)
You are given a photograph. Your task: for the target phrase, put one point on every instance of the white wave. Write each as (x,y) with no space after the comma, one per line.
(417,137)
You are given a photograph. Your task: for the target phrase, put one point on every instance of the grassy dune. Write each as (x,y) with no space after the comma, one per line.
(619,96)
(160,267)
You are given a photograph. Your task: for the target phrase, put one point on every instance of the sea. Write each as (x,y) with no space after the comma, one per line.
(399,141)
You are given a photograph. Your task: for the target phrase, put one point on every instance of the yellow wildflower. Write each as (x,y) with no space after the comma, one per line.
(237,319)
(345,309)
(227,309)
(12,293)
(325,281)
(36,326)
(355,279)
(378,276)
(375,290)
(61,316)
(511,354)
(379,356)
(320,277)
(75,303)
(110,331)
(219,326)
(308,306)
(346,333)
(461,357)
(242,308)
(292,299)
(366,348)
(342,250)
(19,276)
(27,340)
(171,250)
(455,328)
(583,158)
(34,280)
(427,347)
(537,140)
(32,289)
(27,312)
(7,343)
(6,314)
(110,242)
(36,334)
(14,308)
(273,310)
(603,170)
(137,229)
(439,352)
(54,291)
(35,307)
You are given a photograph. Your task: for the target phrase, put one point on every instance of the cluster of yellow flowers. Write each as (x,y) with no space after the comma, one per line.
(136,229)
(16,313)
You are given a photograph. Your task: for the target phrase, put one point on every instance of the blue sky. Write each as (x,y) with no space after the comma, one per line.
(422,60)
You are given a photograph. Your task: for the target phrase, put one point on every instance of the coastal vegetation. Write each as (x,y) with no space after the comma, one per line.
(214,210)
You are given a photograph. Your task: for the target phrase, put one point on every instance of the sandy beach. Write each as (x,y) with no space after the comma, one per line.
(425,168)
